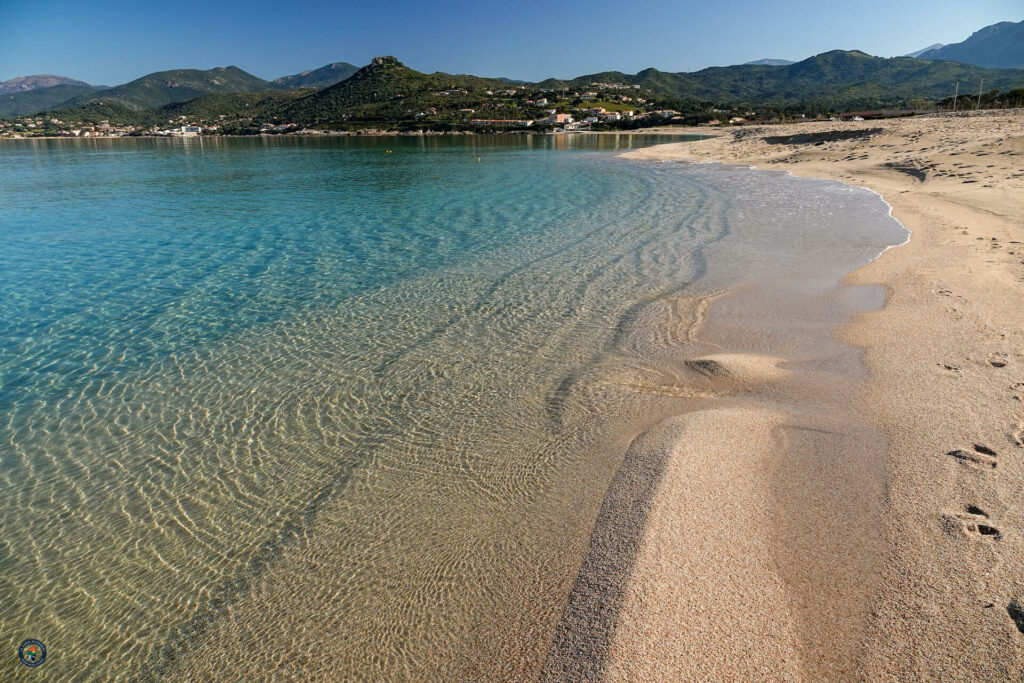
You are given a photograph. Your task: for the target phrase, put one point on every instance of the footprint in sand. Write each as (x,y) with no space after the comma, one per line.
(1016,611)
(950,370)
(948,294)
(997,360)
(979,457)
(1017,436)
(972,522)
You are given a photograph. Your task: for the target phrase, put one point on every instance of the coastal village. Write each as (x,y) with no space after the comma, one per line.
(578,120)
(604,106)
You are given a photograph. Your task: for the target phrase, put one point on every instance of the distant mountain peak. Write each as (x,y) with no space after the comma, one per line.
(918,53)
(998,46)
(770,62)
(327,75)
(26,83)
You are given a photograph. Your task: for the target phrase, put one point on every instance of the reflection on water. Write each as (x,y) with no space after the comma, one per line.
(330,410)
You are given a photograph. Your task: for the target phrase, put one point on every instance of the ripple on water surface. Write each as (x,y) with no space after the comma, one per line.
(261,394)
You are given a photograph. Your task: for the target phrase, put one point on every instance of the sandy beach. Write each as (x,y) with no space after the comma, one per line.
(870,531)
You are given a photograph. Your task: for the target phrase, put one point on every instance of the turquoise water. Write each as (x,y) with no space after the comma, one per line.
(170,245)
(292,395)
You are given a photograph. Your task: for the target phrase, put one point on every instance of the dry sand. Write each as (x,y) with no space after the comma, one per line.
(787,538)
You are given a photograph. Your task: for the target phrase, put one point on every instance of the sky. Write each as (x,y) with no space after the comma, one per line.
(109,42)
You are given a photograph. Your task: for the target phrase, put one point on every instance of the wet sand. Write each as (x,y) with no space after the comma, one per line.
(742,538)
(809,529)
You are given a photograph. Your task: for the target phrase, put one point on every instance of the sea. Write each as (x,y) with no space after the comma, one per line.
(346,408)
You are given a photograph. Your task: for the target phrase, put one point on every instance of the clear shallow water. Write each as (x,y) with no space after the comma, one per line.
(286,396)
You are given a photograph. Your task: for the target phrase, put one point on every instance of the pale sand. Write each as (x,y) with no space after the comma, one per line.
(785,540)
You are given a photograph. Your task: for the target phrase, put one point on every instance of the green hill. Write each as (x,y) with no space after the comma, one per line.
(386,90)
(31,101)
(323,77)
(178,85)
(232,105)
(94,112)
(206,108)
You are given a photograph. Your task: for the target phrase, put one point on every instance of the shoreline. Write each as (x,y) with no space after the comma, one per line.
(752,536)
(662,131)
(945,356)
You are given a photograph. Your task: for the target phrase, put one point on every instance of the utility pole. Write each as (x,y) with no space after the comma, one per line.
(956,94)
(980,87)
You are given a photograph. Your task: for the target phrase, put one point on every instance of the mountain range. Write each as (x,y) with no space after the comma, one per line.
(31,94)
(340,91)
(839,78)
(997,46)
(386,93)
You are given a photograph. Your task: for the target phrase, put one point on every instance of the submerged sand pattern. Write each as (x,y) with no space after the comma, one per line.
(404,485)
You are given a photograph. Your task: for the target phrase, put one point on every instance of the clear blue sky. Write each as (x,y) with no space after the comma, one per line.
(113,41)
